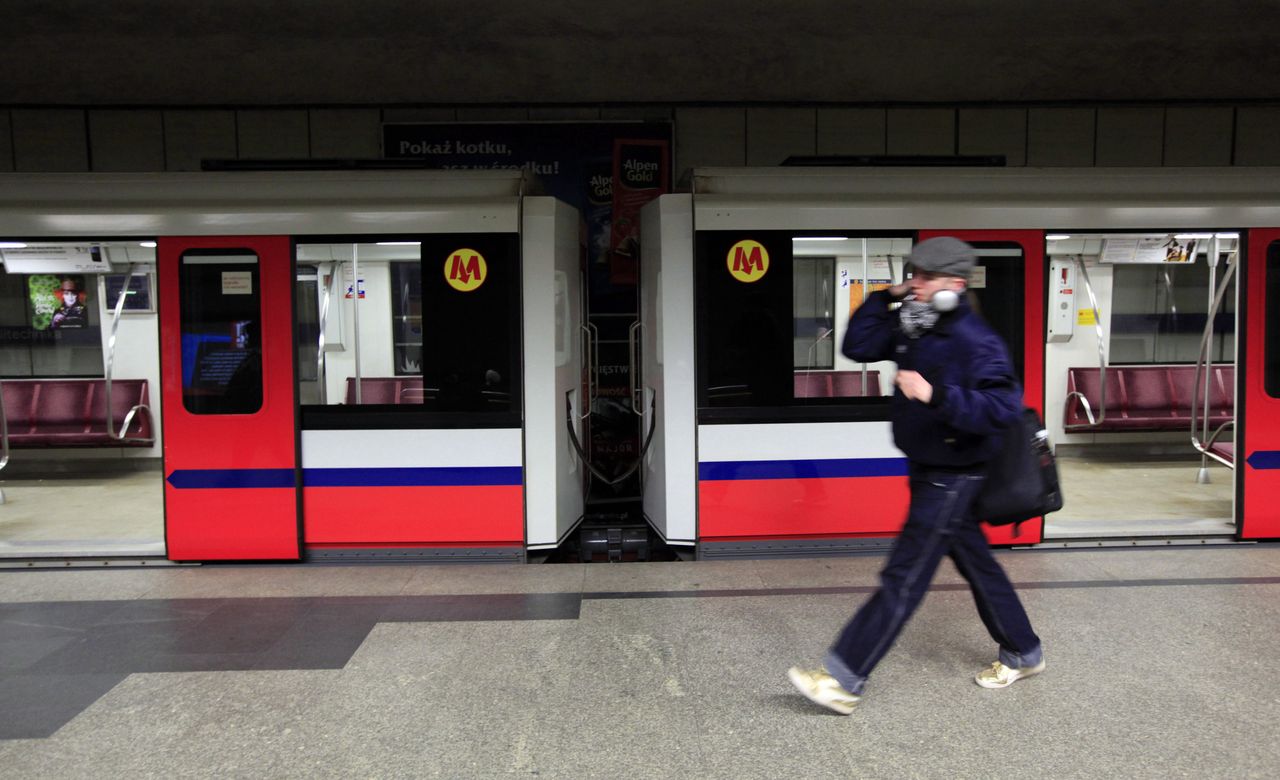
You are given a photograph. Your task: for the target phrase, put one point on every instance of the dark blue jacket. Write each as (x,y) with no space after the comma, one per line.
(975,393)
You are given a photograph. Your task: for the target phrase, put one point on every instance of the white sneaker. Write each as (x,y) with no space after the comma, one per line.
(821,688)
(1000,676)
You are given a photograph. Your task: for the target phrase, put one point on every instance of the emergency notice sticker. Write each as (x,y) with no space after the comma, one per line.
(237,282)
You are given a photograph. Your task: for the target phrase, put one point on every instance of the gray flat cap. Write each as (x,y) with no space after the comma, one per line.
(943,255)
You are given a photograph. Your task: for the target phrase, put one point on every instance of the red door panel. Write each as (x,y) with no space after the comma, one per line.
(231,472)
(1033,292)
(1257,410)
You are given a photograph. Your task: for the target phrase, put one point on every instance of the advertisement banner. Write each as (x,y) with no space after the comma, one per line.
(575,162)
(58,302)
(606,170)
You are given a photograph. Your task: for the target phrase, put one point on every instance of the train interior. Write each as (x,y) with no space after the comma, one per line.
(76,484)
(1134,304)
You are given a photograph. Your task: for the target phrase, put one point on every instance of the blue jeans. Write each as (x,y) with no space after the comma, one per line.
(939,523)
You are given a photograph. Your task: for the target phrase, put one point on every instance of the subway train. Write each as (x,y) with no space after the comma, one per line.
(363,364)
(1136,304)
(394,365)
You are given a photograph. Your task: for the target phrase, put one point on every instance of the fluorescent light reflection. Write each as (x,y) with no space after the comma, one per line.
(1056,237)
(820,238)
(399,243)
(147,244)
(12,245)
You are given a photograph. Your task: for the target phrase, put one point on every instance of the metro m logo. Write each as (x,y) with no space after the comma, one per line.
(748,261)
(465,270)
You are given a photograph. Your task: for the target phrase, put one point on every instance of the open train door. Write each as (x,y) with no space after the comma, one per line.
(1009,284)
(1258,393)
(230,408)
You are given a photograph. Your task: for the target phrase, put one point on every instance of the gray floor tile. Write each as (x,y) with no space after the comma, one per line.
(37,705)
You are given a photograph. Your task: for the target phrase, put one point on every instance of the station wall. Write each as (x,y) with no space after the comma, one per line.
(142,139)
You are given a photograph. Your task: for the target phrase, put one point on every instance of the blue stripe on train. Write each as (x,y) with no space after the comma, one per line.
(802,469)
(471,476)
(465,476)
(1264,459)
(232,478)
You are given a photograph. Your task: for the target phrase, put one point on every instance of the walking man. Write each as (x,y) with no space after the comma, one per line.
(956,394)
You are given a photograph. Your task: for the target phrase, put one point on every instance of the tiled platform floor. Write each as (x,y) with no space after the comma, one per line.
(1161,664)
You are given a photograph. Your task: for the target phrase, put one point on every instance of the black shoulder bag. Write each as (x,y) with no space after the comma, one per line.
(1022,479)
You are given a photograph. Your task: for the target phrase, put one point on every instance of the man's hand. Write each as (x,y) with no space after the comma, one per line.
(914,386)
(900,290)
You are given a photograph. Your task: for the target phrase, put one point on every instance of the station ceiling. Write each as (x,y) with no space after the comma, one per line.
(377,52)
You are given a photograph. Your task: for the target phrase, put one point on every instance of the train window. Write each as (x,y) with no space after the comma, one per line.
(749,285)
(431,325)
(1271,348)
(50,325)
(471,321)
(1158,314)
(221,332)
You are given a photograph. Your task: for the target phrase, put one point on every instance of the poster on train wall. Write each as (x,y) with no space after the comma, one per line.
(1149,249)
(58,302)
(606,170)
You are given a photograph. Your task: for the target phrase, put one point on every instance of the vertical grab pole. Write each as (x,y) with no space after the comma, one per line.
(355,313)
(326,292)
(110,358)
(1208,354)
(1102,355)
(866,290)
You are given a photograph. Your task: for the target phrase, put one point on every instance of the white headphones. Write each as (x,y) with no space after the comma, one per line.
(945,300)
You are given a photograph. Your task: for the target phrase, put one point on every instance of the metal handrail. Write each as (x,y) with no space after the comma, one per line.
(1084,401)
(1102,355)
(1202,361)
(327,289)
(633,348)
(588,330)
(110,364)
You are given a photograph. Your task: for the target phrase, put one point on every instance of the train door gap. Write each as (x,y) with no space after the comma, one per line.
(613,532)
(80,337)
(1134,308)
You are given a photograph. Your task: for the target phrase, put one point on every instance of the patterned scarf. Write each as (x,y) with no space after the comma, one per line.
(916,317)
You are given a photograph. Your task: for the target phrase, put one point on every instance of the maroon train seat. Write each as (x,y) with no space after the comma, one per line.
(72,413)
(1147,398)
(835,384)
(386,390)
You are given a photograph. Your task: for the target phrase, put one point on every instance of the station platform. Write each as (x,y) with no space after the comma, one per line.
(1161,663)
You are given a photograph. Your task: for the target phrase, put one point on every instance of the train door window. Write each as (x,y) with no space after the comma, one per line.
(221,332)
(1271,352)
(431,322)
(996,289)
